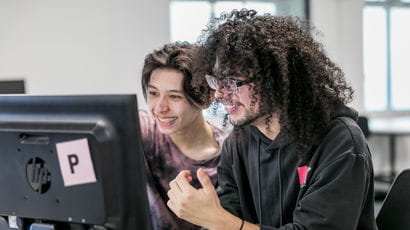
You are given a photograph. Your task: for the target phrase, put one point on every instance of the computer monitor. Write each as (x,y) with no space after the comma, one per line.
(12,87)
(72,162)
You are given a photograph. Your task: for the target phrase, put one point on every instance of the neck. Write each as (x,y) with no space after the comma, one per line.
(270,130)
(197,142)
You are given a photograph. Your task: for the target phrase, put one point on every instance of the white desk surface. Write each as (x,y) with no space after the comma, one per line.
(390,126)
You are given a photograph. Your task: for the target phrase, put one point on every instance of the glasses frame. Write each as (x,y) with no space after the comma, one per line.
(218,84)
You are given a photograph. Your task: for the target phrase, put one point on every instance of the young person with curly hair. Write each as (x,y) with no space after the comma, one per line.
(297,158)
(174,132)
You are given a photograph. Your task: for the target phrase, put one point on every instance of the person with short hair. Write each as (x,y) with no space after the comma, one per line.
(174,132)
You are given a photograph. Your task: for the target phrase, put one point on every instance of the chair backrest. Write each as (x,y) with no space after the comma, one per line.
(395,210)
(363,123)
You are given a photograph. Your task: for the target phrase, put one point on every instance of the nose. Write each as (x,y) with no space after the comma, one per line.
(221,93)
(162,105)
(218,94)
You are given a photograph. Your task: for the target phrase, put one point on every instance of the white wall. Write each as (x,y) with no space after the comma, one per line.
(340,22)
(94,46)
(79,46)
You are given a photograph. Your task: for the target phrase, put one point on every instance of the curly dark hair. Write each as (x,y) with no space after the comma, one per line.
(291,72)
(177,56)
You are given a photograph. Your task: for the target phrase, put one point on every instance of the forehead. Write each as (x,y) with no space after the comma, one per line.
(222,71)
(228,73)
(166,79)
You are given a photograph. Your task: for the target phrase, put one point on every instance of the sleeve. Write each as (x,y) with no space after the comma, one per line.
(336,198)
(145,124)
(147,128)
(228,190)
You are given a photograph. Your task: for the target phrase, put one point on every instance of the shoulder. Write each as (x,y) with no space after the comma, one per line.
(147,123)
(144,117)
(343,140)
(346,131)
(150,134)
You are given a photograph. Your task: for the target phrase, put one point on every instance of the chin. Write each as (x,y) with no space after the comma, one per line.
(238,123)
(245,120)
(166,131)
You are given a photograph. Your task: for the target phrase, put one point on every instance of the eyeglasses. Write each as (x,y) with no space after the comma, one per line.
(229,84)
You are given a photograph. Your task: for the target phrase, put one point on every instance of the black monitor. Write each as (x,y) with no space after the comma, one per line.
(12,87)
(72,162)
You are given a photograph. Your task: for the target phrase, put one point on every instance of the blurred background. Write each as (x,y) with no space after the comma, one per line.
(98,47)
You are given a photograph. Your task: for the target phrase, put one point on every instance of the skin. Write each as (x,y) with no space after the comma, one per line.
(176,117)
(202,206)
(239,106)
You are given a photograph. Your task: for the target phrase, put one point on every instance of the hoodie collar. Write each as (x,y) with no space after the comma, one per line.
(343,111)
(279,142)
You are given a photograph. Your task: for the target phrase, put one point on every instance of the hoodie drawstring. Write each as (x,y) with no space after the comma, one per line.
(259,180)
(280,186)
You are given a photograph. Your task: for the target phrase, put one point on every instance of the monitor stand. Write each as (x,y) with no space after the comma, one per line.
(38,226)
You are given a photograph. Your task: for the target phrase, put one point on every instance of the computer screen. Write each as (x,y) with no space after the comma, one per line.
(72,162)
(12,87)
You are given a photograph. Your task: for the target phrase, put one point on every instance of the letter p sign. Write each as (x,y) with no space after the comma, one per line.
(75,162)
(72,160)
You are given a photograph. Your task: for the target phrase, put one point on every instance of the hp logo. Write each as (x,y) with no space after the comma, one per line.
(38,175)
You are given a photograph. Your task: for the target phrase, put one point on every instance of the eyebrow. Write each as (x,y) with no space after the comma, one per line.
(172,90)
(229,73)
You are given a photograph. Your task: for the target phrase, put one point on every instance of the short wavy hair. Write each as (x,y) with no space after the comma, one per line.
(177,56)
(291,72)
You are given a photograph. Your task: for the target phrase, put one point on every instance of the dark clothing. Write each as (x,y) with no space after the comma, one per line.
(259,179)
(164,161)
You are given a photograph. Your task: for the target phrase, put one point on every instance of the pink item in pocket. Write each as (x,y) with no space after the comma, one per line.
(302,173)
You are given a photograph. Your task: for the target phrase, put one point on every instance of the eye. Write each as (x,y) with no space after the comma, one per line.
(153,93)
(230,83)
(175,97)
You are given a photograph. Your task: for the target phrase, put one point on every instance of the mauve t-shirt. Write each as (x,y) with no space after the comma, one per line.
(164,161)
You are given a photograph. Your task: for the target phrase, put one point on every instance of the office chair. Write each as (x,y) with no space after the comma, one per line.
(395,210)
(363,123)
(380,187)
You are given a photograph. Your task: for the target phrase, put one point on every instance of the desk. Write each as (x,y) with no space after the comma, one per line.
(390,127)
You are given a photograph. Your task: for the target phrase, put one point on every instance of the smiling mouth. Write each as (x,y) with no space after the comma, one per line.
(166,121)
(230,108)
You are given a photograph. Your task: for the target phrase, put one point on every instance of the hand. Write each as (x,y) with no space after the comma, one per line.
(198,206)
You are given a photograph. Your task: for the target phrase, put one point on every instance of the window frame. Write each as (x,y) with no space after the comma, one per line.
(387,6)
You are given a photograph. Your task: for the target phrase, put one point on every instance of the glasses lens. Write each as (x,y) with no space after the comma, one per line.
(212,81)
(230,85)
(217,84)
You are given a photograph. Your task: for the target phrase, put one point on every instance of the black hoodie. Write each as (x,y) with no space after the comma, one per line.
(262,182)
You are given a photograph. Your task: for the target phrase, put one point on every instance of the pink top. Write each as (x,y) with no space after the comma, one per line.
(164,161)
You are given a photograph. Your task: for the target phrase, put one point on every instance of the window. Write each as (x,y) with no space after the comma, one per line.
(189,17)
(386,55)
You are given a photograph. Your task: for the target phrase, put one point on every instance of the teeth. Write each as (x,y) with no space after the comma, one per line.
(167,119)
(229,106)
